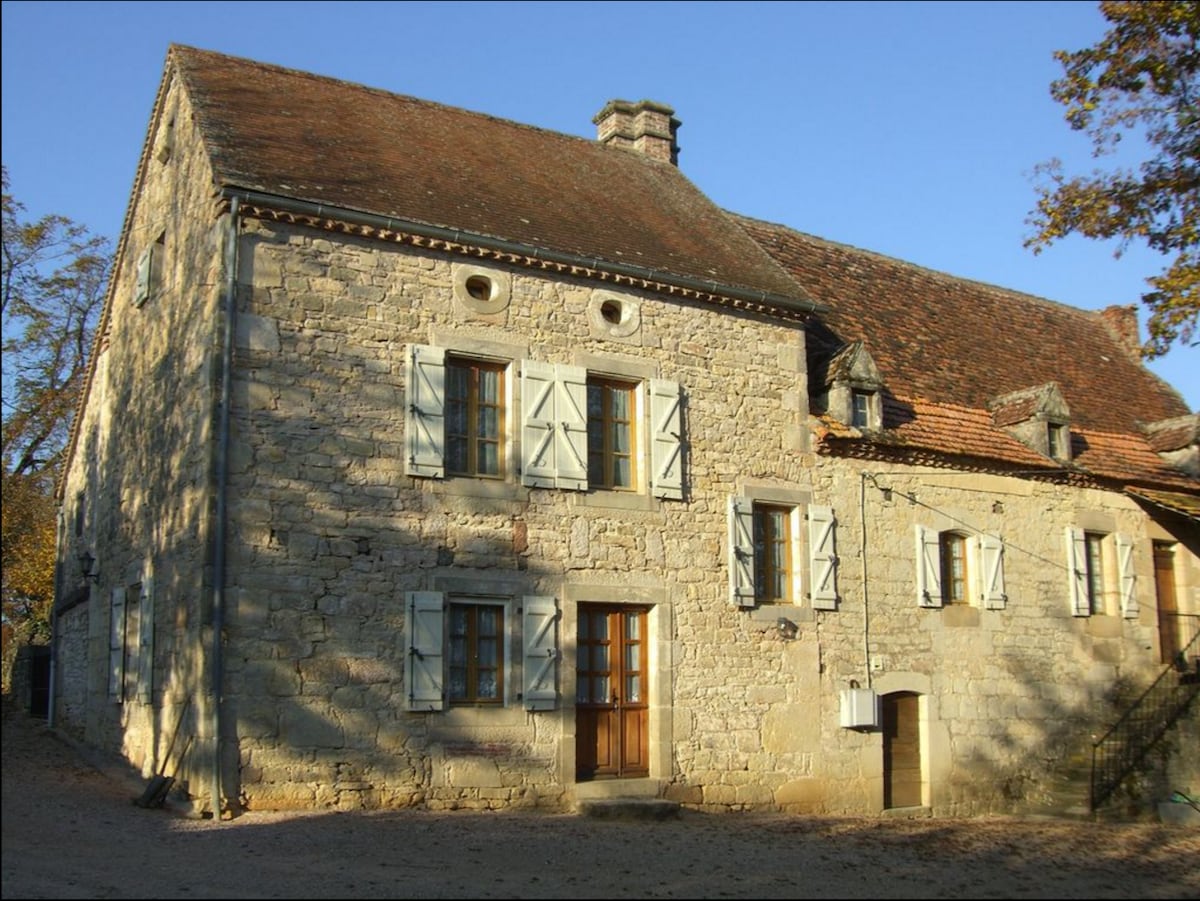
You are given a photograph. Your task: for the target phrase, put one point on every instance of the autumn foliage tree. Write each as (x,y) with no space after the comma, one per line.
(1140,77)
(53,277)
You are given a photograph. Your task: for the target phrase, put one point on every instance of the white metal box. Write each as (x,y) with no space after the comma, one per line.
(860,708)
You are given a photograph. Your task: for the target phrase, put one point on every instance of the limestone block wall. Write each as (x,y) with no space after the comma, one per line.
(1010,695)
(137,495)
(329,534)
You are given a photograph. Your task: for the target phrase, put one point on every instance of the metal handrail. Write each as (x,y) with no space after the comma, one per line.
(1153,722)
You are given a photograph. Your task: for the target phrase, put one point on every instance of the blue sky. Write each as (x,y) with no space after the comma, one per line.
(906,128)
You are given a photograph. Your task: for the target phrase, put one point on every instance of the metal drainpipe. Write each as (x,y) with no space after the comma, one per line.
(862,516)
(219,529)
(58,581)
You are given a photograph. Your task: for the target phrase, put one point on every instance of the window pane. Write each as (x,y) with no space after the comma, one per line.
(633,627)
(489,387)
(489,459)
(622,473)
(633,688)
(456,454)
(621,441)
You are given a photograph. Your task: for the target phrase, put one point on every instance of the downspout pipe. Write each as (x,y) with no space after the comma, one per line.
(373,220)
(220,527)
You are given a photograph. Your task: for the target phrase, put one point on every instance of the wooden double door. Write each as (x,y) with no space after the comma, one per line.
(612,711)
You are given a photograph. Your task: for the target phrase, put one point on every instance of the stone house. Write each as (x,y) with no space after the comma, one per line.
(432,459)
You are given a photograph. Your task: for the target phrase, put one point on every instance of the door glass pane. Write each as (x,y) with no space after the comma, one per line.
(487,684)
(633,627)
(633,688)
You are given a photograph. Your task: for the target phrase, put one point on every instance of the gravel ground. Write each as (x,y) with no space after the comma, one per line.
(70,830)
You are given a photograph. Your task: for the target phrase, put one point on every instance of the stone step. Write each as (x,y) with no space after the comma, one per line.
(627,808)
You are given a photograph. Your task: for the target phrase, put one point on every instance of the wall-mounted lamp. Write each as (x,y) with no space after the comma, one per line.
(86,561)
(787,628)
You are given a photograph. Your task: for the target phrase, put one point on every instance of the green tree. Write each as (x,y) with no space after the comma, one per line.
(53,274)
(1142,75)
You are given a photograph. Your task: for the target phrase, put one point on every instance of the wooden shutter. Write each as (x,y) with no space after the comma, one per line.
(145,276)
(822,551)
(426,680)
(1077,571)
(540,635)
(1126,576)
(991,573)
(538,424)
(929,568)
(425,430)
(741,551)
(666,447)
(571,455)
(146,643)
(116,646)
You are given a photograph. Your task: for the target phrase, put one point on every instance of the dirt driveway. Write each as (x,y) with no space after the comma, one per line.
(70,830)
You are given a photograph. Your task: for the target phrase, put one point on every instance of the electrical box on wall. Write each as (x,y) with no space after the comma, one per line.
(860,708)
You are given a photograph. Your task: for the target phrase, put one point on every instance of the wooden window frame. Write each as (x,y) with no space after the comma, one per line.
(860,409)
(602,457)
(956,574)
(1058,440)
(770,568)
(470,664)
(474,407)
(1094,561)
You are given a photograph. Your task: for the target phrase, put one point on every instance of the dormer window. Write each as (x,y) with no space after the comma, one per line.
(1038,417)
(853,388)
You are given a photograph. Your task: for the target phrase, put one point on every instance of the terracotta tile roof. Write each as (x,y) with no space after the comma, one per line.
(936,336)
(1172,434)
(321,140)
(925,431)
(960,359)
(1187,504)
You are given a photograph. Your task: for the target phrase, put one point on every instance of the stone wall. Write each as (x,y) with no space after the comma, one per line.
(331,533)
(138,495)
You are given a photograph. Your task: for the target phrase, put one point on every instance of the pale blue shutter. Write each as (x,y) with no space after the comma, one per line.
(666,440)
(571,455)
(1126,576)
(991,573)
(822,557)
(425,430)
(929,568)
(538,424)
(116,646)
(741,551)
(146,643)
(145,276)
(426,680)
(1077,572)
(540,637)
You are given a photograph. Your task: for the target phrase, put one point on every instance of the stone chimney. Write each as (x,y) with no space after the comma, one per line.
(1123,323)
(645,126)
